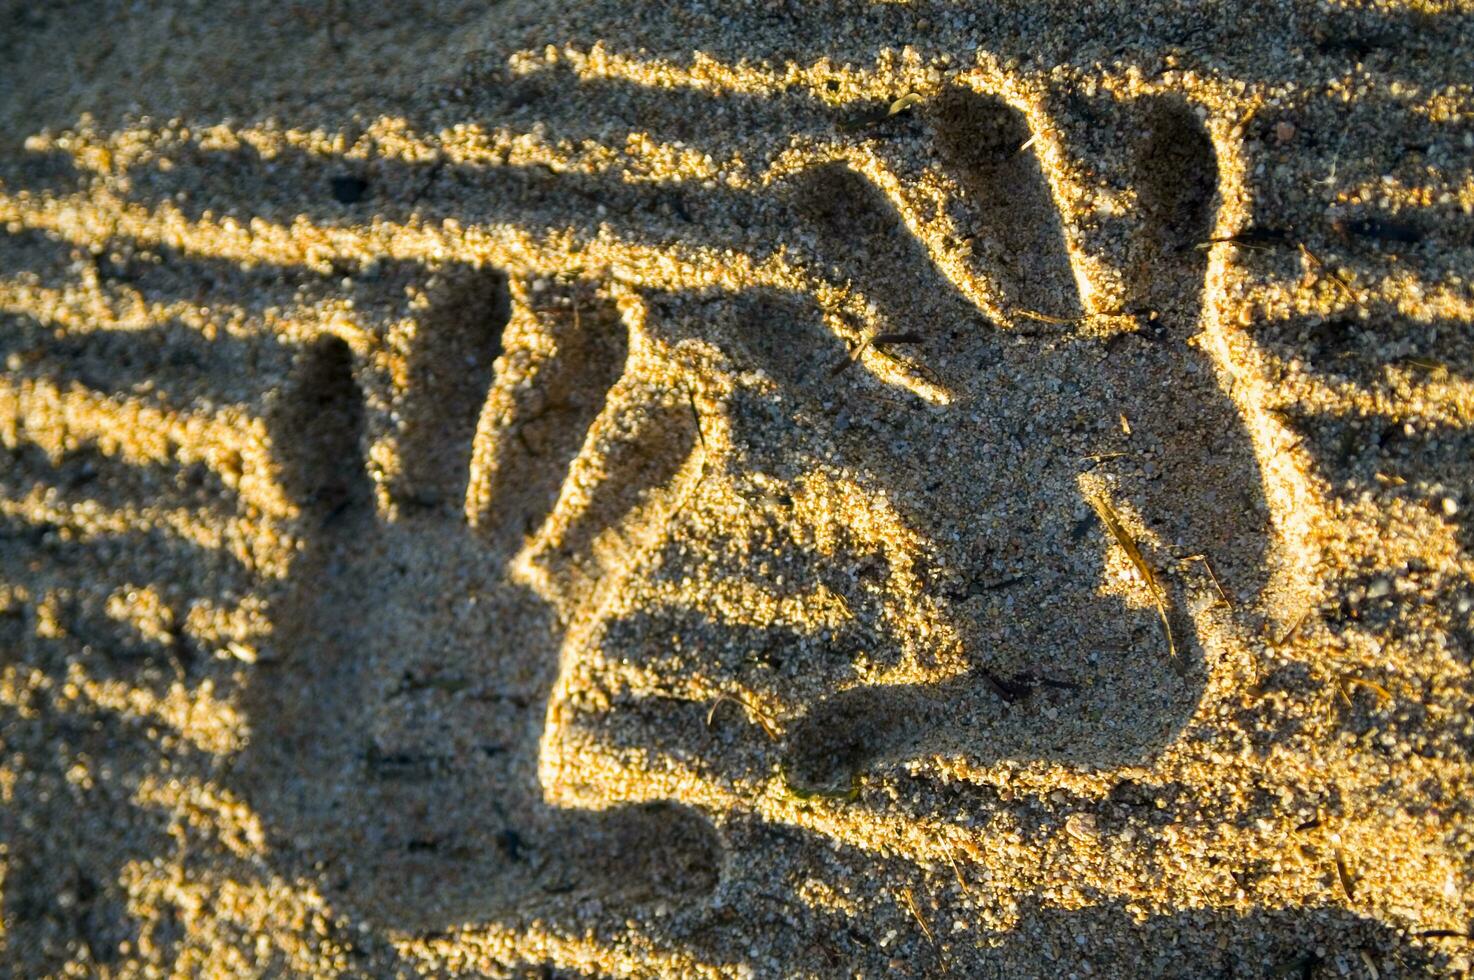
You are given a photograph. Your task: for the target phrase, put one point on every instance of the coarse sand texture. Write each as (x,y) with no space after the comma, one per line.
(749,489)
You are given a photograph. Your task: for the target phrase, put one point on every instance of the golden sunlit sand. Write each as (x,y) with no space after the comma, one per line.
(918,489)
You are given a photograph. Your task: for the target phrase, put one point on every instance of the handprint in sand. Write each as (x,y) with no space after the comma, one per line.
(420,630)
(1038,600)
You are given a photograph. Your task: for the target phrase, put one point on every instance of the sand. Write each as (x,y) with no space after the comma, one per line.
(736,489)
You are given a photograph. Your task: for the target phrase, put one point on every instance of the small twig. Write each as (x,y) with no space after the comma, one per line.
(956,868)
(1426,363)
(1254,239)
(1036,316)
(887,339)
(1212,575)
(872,117)
(695,484)
(1290,633)
(1108,517)
(1348,884)
(877,341)
(572,310)
(1054,682)
(1330,274)
(849,359)
(696,414)
(910,902)
(334,41)
(1330,178)
(1006,690)
(1351,680)
(853,357)
(760,718)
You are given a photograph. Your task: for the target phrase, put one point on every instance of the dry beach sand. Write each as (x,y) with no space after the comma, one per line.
(736,489)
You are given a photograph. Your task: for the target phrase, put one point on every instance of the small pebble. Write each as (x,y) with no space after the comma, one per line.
(1081,826)
(348,189)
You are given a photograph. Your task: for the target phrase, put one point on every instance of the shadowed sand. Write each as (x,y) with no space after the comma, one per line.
(616,490)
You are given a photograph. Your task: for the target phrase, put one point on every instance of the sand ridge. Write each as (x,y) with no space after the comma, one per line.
(618,491)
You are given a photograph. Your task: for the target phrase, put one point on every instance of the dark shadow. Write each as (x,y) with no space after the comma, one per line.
(68,841)
(633,468)
(450,370)
(88,637)
(127,271)
(1373,349)
(44,555)
(363,43)
(1016,236)
(320,427)
(62,899)
(608,108)
(86,473)
(1426,462)
(28,253)
(294,184)
(1104,938)
(1303,944)
(68,903)
(39,172)
(851,732)
(165,365)
(1176,175)
(373,719)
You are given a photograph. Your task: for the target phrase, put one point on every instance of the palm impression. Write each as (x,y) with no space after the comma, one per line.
(901,598)
(412,747)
